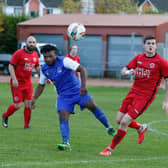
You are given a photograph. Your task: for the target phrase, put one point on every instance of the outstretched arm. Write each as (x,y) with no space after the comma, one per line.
(165,102)
(83,76)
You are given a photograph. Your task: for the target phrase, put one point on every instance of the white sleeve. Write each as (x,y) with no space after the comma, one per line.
(70,64)
(43,78)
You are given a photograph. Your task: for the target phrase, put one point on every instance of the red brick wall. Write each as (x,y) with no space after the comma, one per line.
(34,5)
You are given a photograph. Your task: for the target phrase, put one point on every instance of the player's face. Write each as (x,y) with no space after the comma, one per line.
(150,46)
(31,44)
(50,57)
(74,50)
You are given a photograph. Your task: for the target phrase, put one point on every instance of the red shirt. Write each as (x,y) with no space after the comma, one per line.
(76,58)
(149,73)
(24,63)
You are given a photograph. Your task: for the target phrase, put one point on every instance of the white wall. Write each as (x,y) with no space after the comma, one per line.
(9,10)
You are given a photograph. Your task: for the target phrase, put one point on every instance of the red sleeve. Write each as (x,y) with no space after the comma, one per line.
(15,58)
(133,63)
(164,68)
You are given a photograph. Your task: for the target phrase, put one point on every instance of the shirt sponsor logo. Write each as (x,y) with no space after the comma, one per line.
(143,73)
(139,62)
(29,67)
(26,59)
(152,65)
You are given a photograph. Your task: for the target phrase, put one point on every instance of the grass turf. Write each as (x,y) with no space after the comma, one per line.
(36,148)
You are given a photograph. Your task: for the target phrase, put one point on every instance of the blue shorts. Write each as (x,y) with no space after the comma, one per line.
(68,103)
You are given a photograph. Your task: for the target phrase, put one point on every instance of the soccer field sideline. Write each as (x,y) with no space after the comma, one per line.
(93,82)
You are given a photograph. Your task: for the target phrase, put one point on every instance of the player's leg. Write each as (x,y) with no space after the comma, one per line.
(17,99)
(121,132)
(27,97)
(64,129)
(27,113)
(125,107)
(100,115)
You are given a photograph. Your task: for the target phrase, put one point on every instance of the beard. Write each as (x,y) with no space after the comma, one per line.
(30,48)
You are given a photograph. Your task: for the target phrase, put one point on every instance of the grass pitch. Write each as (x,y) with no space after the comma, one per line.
(36,148)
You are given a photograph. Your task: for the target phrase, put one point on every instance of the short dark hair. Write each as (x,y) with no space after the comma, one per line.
(150,37)
(48,48)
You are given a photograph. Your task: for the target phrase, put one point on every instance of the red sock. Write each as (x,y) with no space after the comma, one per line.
(10,111)
(135,125)
(27,116)
(117,138)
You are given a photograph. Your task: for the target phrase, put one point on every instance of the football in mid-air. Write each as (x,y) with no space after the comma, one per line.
(76,31)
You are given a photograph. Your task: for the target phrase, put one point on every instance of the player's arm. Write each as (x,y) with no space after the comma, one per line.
(83,77)
(70,64)
(130,68)
(13,76)
(165,102)
(126,71)
(39,89)
(37,68)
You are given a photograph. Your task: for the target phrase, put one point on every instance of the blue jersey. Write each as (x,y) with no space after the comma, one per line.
(64,79)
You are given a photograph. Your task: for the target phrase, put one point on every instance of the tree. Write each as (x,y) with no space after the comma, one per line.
(8,37)
(1,29)
(115,6)
(70,6)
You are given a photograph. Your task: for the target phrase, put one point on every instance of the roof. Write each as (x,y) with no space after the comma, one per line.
(51,3)
(15,2)
(161,5)
(99,20)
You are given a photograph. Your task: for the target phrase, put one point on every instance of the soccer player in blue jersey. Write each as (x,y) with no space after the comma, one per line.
(60,70)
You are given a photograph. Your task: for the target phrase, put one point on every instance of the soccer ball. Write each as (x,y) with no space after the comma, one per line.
(76,31)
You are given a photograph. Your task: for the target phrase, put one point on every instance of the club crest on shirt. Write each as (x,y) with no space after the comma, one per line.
(26,59)
(59,69)
(34,59)
(152,65)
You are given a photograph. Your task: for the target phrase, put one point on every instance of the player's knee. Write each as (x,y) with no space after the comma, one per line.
(117,120)
(91,105)
(123,123)
(18,105)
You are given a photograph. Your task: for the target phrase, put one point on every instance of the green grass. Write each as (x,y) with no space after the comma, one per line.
(36,148)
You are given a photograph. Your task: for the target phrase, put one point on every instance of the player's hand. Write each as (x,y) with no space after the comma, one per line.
(83,90)
(15,83)
(49,82)
(165,106)
(33,104)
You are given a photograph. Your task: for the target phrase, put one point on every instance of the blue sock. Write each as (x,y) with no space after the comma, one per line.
(64,129)
(100,115)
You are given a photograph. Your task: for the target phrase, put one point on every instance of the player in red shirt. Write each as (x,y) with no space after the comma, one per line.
(73,55)
(21,66)
(149,69)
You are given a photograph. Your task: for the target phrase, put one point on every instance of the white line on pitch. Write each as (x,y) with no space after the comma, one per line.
(43,164)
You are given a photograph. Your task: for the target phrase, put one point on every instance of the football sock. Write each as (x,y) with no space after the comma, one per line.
(11,109)
(100,115)
(135,125)
(27,116)
(65,131)
(117,138)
